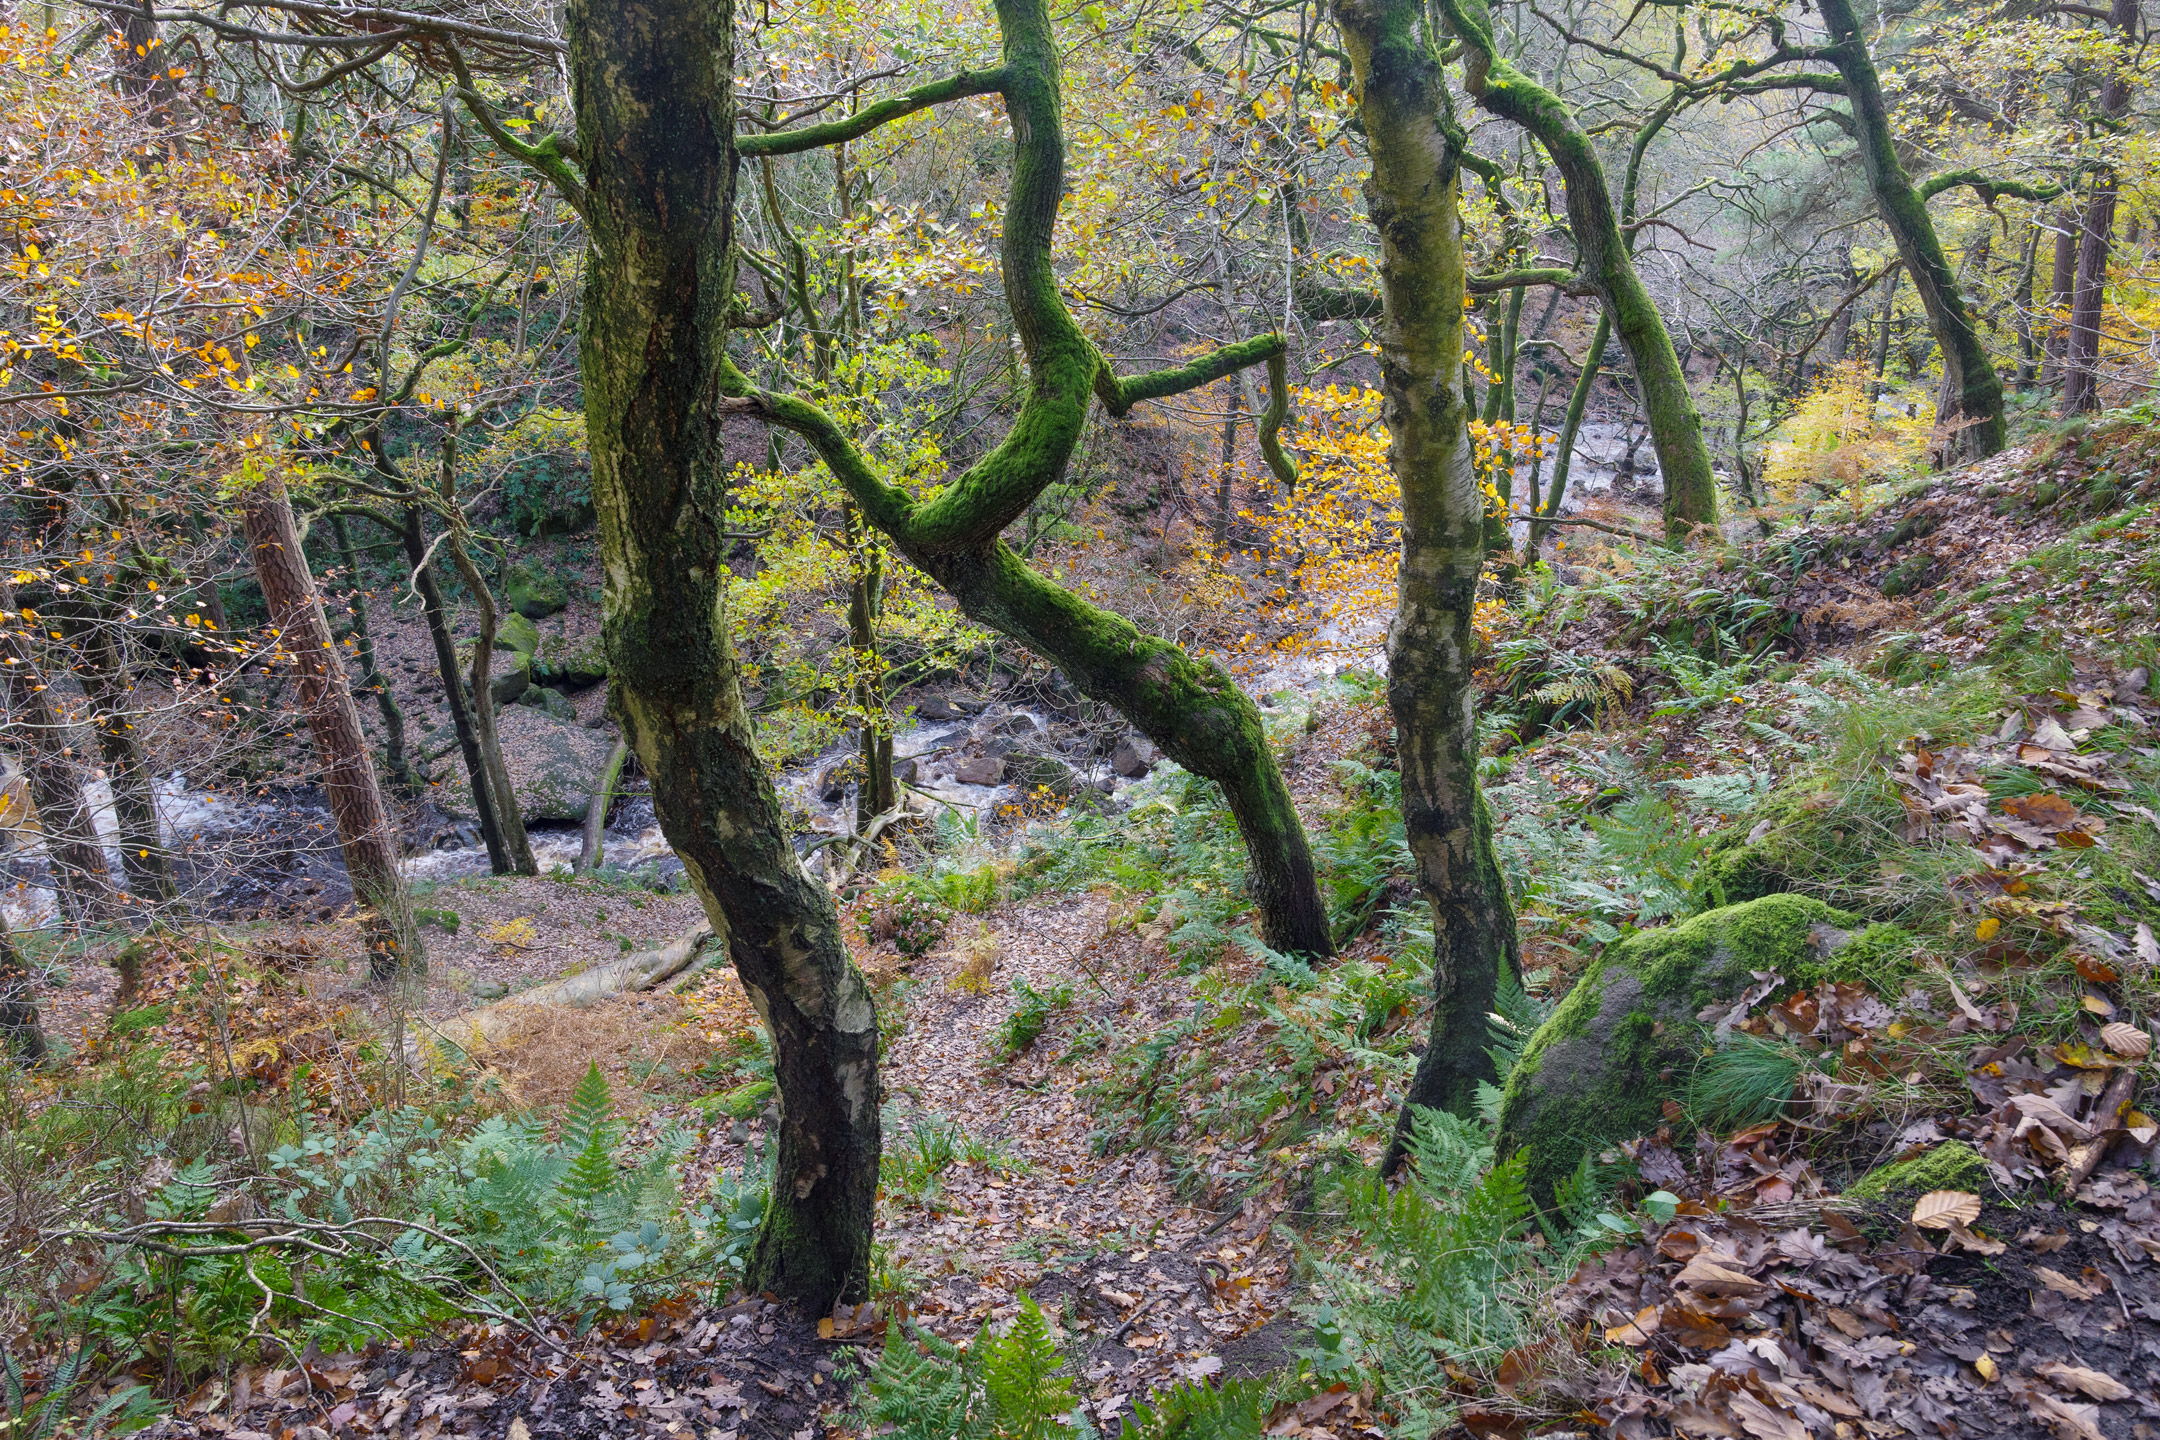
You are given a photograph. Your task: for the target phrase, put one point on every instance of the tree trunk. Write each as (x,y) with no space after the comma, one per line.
(402,773)
(652,82)
(516,844)
(101,667)
(1570,427)
(478,773)
(366,838)
(1431,648)
(2096,233)
(2062,279)
(2028,325)
(866,600)
(20,1033)
(1191,709)
(81,883)
(1882,336)
(1969,406)
(1226,471)
(593,850)
(1602,256)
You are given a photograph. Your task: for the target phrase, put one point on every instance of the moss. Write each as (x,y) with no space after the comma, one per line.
(533,593)
(1623,1041)
(517,634)
(1952,1165)
(1879,957)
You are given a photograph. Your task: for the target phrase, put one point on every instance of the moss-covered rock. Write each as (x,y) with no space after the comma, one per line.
(535,593)
(1952,1165)
(554,702)
(517,634)
(576,664)
(1795,834)
(509,672)
(1626,1038)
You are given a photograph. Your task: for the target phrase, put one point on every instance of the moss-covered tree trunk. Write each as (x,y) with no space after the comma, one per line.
(1413,198)
(366,838)
(652,82)
(1969,405)
(1190,708)
(1602,257)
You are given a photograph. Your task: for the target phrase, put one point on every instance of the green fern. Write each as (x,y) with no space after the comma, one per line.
(1237,1410)
(589,1133)
(1021,1375)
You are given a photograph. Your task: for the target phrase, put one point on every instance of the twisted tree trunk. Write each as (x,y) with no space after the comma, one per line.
(652,82)
(1602,256)
(1412,197)
(2096,235)
(1969,406)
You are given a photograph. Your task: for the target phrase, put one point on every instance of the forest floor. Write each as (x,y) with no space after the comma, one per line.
(1097,1097)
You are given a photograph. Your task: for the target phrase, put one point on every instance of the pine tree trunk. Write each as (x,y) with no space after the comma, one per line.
(1969,406)
(1431,648)
(366,838)
(652,81)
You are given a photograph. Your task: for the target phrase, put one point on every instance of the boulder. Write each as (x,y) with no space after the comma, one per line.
(980,770)
(1626,1038)
(1127,761)
(554,702)
(517,634)
(576,664)
(553,765)
(534,593)
(509,674)
(1035,771)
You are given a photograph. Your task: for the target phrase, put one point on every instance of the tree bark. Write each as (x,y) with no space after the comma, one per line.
(101,667)
(593,849)
(1602,256)
(2062,280)
(478,774)
(1969,406)
(2096,233)
(81,883)
(866,602)
(652,85)
(20,1033)
(480,694)
(1570,428)
(402,773)
(366,838)
(1412,197)
(1226,470)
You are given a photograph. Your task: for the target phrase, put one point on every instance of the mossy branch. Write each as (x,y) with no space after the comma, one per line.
(1119,396)
(1271,422)
(870,117)
(1989,188)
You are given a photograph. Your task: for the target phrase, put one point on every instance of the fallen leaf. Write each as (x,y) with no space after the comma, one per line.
(1978,1244)
(1988,929)
(1986,1367)
(1636,1331)
(2125,1039)
(1943,1209)
(2062,1284)
(2071,1422)
(2091,1383)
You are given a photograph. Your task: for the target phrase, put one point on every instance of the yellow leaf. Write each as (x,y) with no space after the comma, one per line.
(825,1328)
(1988,929)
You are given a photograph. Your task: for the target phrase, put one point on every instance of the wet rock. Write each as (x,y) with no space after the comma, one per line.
(1018,726)
(534,593)
(937,707)
(904,771)
(981,770)
(1127,761)
(552,765)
